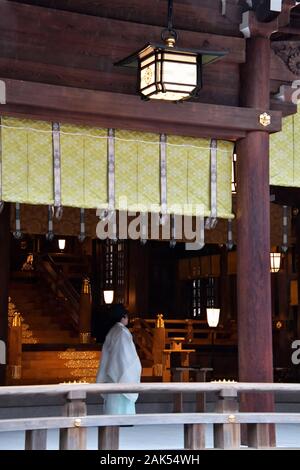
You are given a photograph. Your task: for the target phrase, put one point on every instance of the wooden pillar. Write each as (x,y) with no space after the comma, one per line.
(297,233)
(224,288)
(14,363)
(74,438)
(36,439)
(85,312)
(159,344)
(253,233)
(4,282)
(227,436)
(108,438)
(194,434)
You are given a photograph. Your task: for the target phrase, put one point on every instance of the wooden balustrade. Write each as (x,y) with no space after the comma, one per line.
(196,332)
(85,312)
(226,418)
(14,370)
(61,287)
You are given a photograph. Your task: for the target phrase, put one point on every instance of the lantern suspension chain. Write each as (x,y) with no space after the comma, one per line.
(169,35)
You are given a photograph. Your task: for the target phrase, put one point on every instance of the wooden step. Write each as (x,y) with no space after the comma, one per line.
(64,355)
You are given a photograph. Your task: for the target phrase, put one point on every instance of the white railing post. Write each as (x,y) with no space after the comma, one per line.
(258,435)
(227,436)
(36,439)
(74,438)
(108,438)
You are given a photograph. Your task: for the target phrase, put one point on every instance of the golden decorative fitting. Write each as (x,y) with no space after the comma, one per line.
(16,372)
(265,119)
(16,319)
(223,381)
(85,338)
(279,325)
(170,42)
(77,422)
(86,286)
(72,354)
(160,321)
(231,419)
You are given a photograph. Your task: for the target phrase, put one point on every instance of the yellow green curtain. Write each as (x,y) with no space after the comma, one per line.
(27,168)
(285,155)
(83,166)
(137,169)
(188,174)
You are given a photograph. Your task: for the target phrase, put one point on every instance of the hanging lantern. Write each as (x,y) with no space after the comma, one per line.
(166,72)
(108,296)
(213,313)
(213,316)
(61,244)
(275,262)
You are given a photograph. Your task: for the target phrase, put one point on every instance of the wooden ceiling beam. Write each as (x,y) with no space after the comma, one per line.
(52,32)
(130,112)
(220,85)
(188,14)
(286,196)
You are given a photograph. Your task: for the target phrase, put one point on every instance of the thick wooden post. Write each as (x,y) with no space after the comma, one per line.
(194,434)
(159,344)
(108,438)
(297,233)
(4,281)
(36,439)
(227,436)
(15,349)
(253,233)
(85,312)
(74,438)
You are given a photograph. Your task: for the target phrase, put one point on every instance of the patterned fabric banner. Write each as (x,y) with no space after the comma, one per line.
(284,154)
(27,169)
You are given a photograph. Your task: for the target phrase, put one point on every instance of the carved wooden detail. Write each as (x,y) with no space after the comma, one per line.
(289,53)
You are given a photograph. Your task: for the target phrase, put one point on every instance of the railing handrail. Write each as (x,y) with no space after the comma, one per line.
(51,272)
(73,293)
(141,419)
(226,418)
(151,387)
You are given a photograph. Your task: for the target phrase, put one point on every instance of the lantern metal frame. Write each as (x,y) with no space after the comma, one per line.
(275,262)
(162,55)
(159,52)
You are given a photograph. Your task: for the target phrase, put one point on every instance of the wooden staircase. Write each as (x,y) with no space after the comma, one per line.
(44,318)
(50,367)
(51,352)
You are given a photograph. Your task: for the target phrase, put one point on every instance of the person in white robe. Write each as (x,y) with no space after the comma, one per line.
(119,364)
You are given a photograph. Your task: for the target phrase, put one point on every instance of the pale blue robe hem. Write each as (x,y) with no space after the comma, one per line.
(117,404)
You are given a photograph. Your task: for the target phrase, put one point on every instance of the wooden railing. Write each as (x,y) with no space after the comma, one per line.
(226,419)
(197,332)
(60,286)
(143,337)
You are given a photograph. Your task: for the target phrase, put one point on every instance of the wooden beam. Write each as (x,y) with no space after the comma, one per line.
(286,196)
(72,49)
(187,13)
(88,37)
(220,80)
(130,112)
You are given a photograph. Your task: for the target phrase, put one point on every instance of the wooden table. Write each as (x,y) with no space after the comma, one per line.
(183,356)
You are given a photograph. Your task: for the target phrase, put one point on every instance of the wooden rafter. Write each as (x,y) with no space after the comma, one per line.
(130,112)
